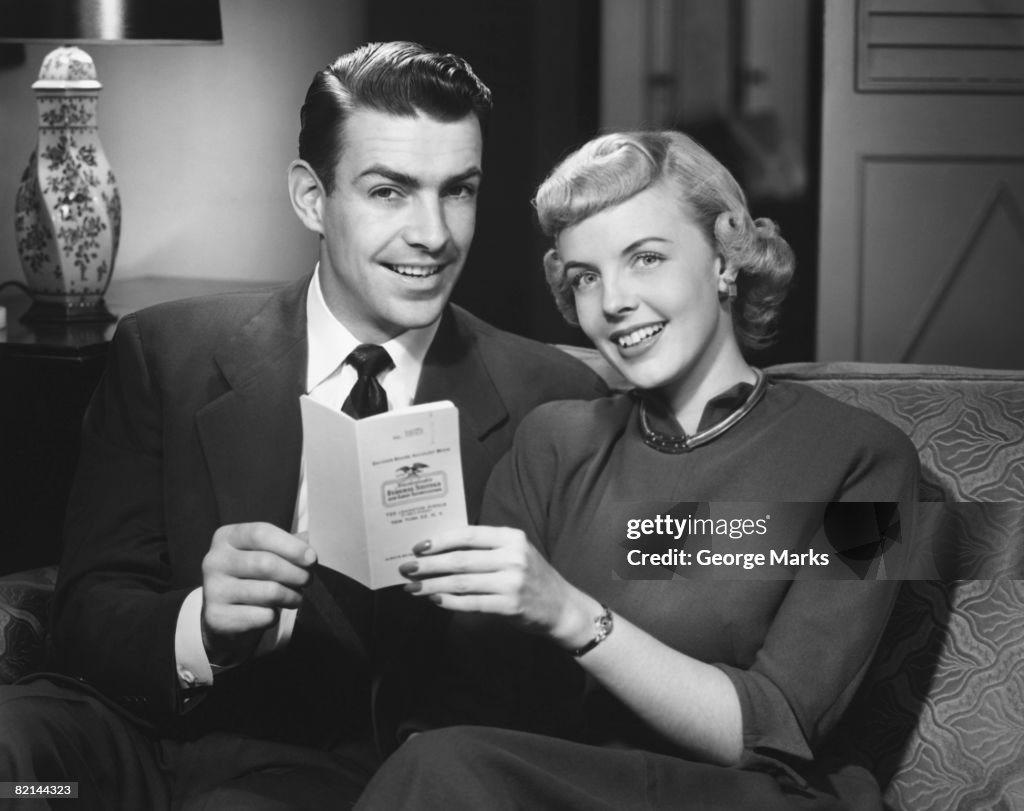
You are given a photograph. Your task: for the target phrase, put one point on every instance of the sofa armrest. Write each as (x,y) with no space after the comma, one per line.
(24,614)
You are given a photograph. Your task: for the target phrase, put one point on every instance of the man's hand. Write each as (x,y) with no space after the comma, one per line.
(250,573)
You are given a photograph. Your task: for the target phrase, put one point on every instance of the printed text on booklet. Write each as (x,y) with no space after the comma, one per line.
(379,485)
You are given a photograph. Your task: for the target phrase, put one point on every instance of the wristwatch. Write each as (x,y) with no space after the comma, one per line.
(603,624)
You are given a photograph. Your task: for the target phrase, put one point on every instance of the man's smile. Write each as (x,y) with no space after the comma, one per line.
(415,271)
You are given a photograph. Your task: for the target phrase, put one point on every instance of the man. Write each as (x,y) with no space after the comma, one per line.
(211,660)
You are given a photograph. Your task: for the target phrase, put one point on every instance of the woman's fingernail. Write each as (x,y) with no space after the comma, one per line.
(421,548)
(435,599)
(412,588)
(408,568)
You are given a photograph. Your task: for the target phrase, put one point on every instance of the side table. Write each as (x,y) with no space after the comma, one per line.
(47,375)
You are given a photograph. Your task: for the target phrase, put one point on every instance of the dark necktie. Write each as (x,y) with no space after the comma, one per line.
(367,396)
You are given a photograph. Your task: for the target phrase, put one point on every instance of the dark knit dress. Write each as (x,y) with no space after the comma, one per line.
(795,638)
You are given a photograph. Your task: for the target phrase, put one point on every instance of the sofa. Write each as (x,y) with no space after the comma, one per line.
(940,717)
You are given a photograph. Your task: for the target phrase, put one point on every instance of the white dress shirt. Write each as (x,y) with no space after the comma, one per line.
(328,380)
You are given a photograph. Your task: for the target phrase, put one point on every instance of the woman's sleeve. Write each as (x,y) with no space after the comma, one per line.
(530,478)
(822,638)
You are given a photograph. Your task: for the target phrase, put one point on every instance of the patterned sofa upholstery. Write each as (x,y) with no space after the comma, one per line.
(24,609)
(940,718)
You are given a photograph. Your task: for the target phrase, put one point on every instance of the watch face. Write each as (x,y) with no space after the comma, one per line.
(602,627)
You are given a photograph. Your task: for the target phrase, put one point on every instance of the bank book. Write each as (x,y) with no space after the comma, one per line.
(379,485)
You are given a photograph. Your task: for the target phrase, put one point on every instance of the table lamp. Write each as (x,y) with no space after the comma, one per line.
(67,214)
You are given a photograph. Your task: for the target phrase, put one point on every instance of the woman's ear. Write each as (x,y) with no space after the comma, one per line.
(307,195)
(726,280)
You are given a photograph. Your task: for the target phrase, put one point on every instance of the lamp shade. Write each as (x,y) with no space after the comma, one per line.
(149,21)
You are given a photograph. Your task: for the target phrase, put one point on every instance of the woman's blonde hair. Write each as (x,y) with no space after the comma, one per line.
(613,168)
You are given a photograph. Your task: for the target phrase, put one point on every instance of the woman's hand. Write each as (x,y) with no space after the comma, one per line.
(496,570)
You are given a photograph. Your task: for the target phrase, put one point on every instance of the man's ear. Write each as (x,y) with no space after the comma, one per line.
(307,195)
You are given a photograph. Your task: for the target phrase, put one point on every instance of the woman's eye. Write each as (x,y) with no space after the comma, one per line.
(584,279)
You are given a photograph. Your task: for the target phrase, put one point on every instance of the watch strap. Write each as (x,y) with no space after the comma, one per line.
(603,624)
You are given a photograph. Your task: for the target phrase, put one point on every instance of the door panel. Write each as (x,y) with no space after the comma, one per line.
(943,267)
(922,211)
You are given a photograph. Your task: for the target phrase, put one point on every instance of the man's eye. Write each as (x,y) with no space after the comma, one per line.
(384,193)
(462,192)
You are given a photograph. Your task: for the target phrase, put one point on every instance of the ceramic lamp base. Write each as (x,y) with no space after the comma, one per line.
(70,312)
(67,213)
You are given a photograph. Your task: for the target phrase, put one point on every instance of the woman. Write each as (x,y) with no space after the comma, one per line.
(705,688)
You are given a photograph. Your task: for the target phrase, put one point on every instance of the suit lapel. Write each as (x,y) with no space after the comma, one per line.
(252,434)
(455,370)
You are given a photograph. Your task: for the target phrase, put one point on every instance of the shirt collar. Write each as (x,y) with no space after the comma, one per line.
(330,342)
(722,405)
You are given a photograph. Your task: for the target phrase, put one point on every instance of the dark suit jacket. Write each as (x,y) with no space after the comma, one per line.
(196,425)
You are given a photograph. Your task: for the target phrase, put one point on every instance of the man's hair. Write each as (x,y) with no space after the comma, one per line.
(616,167)
(400,78)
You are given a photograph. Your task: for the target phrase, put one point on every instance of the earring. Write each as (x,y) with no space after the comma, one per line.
(726,289)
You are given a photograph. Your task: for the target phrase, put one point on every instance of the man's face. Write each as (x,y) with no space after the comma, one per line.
(399,223)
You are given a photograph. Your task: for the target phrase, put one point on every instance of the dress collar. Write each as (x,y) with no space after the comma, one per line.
(660,429)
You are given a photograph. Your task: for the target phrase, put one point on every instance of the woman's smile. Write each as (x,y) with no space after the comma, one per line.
(634,340)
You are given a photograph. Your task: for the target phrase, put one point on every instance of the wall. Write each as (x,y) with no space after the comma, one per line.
(199,137)
(623,65)
(776,43)
(773,49)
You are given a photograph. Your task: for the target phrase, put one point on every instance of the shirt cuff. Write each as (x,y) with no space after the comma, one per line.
(278,634)
(194,668)
(189,652)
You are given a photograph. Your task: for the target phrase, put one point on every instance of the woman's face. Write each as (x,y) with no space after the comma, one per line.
(646,281)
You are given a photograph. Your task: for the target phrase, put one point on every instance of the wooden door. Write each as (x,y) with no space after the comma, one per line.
(922,191)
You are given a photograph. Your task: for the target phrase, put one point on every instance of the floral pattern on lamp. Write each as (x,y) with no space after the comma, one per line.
(68,209)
